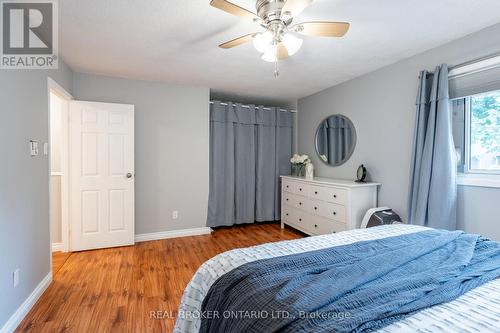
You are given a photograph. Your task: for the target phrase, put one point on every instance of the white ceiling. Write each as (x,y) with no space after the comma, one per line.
(176,41)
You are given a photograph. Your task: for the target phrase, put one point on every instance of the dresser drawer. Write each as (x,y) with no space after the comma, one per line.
(300,220)
(287,213)
(288,186)
(321,226)
(330,194)
(301,189)
(329,210)
(303,203)
(297,201)
(289,199)
(295,188)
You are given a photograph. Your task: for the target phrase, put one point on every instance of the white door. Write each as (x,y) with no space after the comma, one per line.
(101,149)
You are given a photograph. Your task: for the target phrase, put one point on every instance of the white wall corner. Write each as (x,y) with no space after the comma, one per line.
(172,234)
(23,310)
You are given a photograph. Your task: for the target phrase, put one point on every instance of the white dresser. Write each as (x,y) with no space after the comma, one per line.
(324,205)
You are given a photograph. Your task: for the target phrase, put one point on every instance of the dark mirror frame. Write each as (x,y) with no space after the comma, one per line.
(354,142)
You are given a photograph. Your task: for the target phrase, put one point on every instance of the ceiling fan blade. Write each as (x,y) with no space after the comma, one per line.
(282,52)
(295,7)
(322,29)
(231,8)
(237,41)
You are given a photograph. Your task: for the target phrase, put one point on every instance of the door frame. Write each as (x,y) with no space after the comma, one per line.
(54,87)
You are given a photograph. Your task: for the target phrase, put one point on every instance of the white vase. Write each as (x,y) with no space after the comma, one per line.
(309,171)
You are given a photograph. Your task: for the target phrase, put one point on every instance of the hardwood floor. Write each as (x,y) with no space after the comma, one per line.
(114,290)
(58,260)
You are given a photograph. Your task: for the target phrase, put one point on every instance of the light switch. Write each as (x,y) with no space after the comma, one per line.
(15,278)
(45,148)
(33,147)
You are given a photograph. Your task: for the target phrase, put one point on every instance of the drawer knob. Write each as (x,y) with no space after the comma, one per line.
(334,195)
(300,203)
(315,208)
(334,213)
(286,214)
(300,220)
(300,189)
(286,199)
(287,186)
(315,192)
(315,225)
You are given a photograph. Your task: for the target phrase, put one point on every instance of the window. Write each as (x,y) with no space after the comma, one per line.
(476,131)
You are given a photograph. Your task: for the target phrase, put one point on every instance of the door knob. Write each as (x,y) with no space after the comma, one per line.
(129,175)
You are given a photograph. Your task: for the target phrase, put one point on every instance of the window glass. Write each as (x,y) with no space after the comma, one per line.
(484,148)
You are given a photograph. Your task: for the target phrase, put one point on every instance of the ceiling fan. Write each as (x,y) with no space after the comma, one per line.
(279,40)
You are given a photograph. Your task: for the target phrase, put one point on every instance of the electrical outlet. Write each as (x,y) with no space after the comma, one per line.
(15,278)
(175,215)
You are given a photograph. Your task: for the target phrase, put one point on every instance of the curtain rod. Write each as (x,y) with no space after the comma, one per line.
(248,107)
(473,66)
(470,62)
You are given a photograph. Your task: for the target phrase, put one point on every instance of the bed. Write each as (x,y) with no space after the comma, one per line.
(478,310)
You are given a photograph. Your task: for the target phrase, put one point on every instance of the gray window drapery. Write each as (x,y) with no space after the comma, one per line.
(249,149)
(433,190)
(335,139)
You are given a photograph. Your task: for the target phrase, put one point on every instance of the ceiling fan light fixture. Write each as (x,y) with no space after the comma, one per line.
(292,43)
(263,41)
(280,39)
(271,55)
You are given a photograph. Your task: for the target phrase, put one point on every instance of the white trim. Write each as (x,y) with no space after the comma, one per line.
(58,247)
(57,89)
(467,135)
(478,180)
(475,67)
(172,234)
(56,174)
(65,194)
(23,310)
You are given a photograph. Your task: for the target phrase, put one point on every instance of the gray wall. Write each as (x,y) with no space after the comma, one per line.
(478,211)
(171,148)
(382,106)
(24,182)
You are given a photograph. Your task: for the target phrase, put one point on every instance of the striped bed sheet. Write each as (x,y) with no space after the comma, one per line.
(475,311)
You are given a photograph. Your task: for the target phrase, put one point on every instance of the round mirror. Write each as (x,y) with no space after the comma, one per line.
(335,140)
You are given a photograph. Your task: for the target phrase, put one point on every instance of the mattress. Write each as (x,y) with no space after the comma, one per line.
(476,311)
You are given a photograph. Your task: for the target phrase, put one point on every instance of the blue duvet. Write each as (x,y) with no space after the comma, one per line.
(358,287)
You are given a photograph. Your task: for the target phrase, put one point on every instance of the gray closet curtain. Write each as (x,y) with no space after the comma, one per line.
(433,189)
(335,139)
(249,149)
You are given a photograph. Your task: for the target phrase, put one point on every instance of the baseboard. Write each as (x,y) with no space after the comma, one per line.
(23,310)
(172,234)
(57,247)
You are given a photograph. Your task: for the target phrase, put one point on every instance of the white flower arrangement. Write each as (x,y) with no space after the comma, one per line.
(300,160)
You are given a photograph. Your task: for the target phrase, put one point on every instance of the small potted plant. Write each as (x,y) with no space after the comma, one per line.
(298,163)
